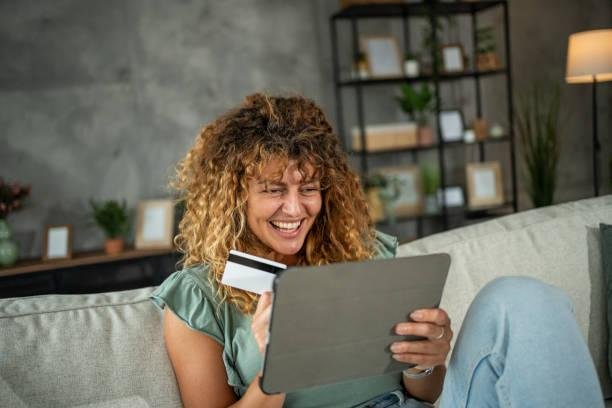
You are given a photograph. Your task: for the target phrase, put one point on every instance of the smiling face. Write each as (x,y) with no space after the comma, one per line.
(281,212)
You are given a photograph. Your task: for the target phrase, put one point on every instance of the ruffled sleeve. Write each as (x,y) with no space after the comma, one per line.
(385,246)
(191,300)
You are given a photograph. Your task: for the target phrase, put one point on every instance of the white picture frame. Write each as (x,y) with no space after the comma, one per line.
(383,56)
(484,185)
(154,224)
(57,242)
(451,124)
(453,58)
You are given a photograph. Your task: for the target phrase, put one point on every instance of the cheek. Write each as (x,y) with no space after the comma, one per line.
(258,210)
(314,206)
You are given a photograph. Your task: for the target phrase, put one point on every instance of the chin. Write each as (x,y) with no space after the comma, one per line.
(288,249)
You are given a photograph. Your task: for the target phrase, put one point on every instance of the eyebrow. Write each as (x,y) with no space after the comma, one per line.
(280,183)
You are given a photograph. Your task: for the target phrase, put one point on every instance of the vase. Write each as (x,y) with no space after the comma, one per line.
(8,248)
(113,246)
(426,137)
(411,68)
(431,204)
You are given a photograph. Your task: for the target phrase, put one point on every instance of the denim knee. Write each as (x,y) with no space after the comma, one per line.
(523,291)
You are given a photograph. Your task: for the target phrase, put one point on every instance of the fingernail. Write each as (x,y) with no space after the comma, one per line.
(395,356)
(416,315)
(394,347)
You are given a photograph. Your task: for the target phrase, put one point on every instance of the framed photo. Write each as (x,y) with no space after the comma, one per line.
(404,184)
(383,57)
(451,125)
(453,58)
(484,182)
(154,224)
(57,242)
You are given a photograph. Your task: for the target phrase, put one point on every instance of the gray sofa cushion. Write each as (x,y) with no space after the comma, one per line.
(552,244)
(71,350)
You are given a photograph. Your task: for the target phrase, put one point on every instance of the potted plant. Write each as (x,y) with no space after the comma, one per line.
(486,57)
(411,65)
(11,199)
(417,104)
(113,218)
(537,123)
(430,183)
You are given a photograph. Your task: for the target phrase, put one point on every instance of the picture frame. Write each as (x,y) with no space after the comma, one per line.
(57,242)
(383,56)
(154,224)
(452,125)
(453,58)
(484,185)
(407,180)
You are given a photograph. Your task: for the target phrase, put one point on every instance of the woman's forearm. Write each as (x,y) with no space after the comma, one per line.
(428,388)
(255,397)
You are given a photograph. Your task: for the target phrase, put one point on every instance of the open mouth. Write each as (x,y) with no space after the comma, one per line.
(287,227)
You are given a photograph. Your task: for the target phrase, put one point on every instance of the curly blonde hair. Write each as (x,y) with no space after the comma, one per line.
(212,181)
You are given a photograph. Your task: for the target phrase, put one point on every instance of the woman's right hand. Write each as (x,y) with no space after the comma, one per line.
(261,321)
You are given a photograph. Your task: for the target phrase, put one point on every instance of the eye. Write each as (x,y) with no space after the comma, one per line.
(310,190)
(274,190)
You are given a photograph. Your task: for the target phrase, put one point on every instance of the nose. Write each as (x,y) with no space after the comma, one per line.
(292,204)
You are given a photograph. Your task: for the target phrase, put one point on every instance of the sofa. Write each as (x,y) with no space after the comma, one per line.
(107,349)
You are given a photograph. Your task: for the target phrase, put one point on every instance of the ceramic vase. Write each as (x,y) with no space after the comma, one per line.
(113,246)
(8,248)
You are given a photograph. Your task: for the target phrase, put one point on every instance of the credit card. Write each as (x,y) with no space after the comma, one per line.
(249,272)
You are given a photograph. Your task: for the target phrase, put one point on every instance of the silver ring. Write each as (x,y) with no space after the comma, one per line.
(441,334)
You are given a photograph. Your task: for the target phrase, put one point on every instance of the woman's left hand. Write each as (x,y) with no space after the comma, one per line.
(434,325)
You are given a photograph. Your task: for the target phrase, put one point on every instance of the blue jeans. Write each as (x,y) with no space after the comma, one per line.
(519,346)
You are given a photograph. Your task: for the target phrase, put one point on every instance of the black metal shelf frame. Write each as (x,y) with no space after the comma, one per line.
(431,10)
(434,146)
(422,78)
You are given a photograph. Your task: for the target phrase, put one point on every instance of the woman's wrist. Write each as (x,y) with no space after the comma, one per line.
(417,372)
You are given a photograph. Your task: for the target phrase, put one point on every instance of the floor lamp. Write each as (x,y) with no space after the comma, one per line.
(589,60)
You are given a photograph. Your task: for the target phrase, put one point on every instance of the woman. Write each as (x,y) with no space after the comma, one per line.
(269,178)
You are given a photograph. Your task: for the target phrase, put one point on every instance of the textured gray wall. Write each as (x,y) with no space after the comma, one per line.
(101,99)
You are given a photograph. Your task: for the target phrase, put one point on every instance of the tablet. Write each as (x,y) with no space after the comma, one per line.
(336,322)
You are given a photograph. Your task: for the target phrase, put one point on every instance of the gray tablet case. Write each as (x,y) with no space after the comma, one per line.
(336,322)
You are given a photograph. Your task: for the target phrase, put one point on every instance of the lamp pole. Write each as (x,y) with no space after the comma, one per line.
(596,145)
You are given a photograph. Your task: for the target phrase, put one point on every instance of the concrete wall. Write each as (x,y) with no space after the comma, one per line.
(101,99)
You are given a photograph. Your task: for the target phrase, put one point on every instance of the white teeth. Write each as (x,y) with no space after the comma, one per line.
(286,225)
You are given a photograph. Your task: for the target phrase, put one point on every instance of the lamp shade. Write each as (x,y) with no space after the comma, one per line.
(589,55)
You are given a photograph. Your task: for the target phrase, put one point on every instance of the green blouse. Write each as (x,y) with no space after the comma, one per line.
(189,295)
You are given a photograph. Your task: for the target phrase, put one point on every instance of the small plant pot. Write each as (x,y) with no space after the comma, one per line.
(426,136)
(411,68)
(481,129)
(113,246)
(431,204)
(487,61)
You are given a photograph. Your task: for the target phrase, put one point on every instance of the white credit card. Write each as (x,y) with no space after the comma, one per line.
(249,272)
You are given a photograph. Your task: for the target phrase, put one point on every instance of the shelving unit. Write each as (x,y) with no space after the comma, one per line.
(429,10)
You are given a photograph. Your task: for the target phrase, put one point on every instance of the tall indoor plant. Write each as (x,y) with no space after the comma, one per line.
(537,122)
(113,218)
(417,103)
(430,183)
(11,199)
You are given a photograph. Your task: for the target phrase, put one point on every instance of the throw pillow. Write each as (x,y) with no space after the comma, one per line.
(606,257)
